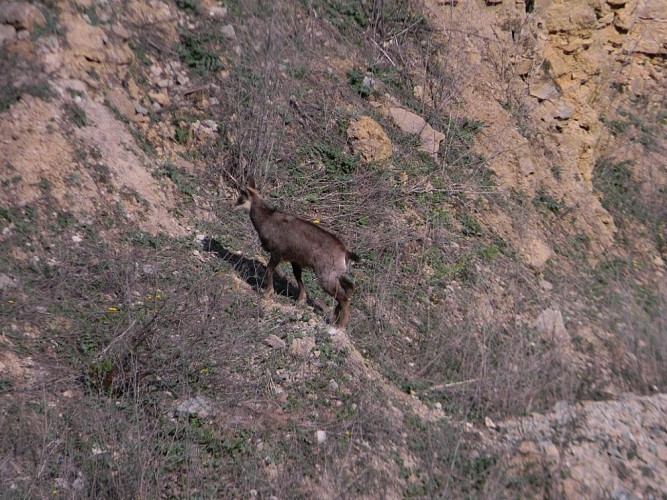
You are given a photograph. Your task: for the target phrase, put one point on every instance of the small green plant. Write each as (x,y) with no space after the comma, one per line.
(469,226)
(196,52)
(193,6)
(335,159)
(44,184)
(543,199)
(76,114)
(356,78)
(184,181)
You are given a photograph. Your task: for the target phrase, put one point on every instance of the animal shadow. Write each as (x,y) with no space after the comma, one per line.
(253,272)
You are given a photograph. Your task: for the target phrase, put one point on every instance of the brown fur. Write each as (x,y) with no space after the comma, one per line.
(292,239)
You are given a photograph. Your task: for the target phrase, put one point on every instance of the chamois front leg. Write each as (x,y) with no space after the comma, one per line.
(273,262)
(296,268)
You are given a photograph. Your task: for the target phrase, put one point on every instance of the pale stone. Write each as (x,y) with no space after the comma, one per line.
(301,348)
(526,166)
(228,32)
(119,30)
(218,12)
(91,42)
(605,20)
(544,90)
(536,253)
(570,17)
(563,109)
(412,123)
(651,41)
(407,121)
(120,102)
(21,15)
(523,67)
(550,324)
(528,448)
(368,139)
(624,21)
(161,97)
(275,342)
(199,405)
(7,32)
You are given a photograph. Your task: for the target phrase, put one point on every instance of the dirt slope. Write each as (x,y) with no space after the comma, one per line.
(499,166)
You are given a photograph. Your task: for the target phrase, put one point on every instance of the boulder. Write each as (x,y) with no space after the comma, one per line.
(21,15)
(120,102)
(368,139)
(550,324)
(570,17)
(301,348)
(544,90)
(412,123)
(7,32)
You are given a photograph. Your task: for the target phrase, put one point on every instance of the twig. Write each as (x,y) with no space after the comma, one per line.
(440,387)
(116,339)
(384,52)
(194,90)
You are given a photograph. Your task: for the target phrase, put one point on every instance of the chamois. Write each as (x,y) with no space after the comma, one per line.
(304,244)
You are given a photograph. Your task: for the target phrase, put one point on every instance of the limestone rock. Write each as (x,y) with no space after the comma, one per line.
(7,32)
(544,90)
(652,40)
(617,3)
(624,21)
(91,42)
(563,110)
(6,282)
(412,123)
(605,20)
(199,405)
(570,17)
(407,121)
(523,67)
(228,32)
(606,449)
(368,139)
(275,342)
(120,102)
(21,15)
(551,325)
(536,252)
(526,166)
(301,348)
(217,12)
(119,30)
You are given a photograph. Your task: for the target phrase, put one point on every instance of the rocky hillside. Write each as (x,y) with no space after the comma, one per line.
(498,165)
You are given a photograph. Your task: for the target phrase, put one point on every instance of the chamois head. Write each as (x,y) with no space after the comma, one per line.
(246,196)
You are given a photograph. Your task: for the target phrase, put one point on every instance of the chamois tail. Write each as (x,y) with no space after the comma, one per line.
(352,256)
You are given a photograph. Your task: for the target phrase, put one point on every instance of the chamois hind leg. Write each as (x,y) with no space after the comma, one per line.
(296,268)
(341,289)
(271,266)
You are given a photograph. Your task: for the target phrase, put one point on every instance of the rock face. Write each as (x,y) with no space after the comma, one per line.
(603,449)
(368,139)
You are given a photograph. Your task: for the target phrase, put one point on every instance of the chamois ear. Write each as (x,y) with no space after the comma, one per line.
(251,182)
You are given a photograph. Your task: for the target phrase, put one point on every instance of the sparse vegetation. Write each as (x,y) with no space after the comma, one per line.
(155,368)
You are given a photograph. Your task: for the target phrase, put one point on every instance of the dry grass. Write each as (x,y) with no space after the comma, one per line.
(131,324)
